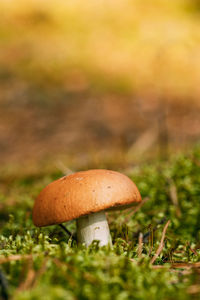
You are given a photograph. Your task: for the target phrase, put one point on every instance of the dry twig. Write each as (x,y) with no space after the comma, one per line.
(184,266)
(14,257)
(161,243)
(63,168)
(145,141)
(140,245)
(29,278)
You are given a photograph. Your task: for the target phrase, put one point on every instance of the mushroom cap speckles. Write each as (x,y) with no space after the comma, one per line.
(82,193)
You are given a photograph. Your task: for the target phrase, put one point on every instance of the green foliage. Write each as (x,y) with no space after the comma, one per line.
(52,267)
(183,176)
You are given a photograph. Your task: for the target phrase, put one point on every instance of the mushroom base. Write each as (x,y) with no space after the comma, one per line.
(93,227)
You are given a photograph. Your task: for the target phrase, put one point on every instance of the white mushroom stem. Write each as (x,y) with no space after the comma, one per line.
(93,227)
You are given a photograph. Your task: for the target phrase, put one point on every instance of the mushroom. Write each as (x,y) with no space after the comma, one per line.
(85,196)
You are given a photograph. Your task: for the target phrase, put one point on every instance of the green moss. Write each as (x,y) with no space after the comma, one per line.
(62,270)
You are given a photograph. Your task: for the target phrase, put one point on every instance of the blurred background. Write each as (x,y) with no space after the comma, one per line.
(97,83)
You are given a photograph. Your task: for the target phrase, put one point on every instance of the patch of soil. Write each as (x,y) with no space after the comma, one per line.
(35,129)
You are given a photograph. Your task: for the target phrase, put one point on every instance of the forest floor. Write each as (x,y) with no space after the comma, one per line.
(156,246)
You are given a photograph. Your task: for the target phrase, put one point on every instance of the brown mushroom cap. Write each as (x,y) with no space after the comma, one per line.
(82,193)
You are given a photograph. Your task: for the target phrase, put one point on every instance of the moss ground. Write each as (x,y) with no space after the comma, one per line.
(45,264)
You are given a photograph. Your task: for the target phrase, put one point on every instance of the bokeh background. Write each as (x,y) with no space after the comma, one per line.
(97,83)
